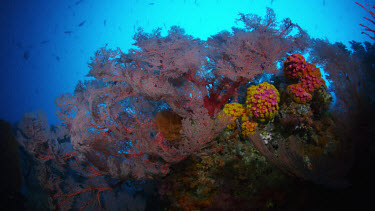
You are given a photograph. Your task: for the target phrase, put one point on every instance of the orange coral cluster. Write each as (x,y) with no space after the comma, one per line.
(262,101)
(261,105)
(298,93)
(295,67)
(311,78)
(236,110)
(248,127)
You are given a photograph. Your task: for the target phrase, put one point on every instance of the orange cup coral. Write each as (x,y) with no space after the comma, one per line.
(248,127)
(234,110)
(262,102)
(295,67)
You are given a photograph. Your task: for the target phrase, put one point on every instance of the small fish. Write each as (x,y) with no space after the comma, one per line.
(44,42)
(78,2)
(26,55)
(105,22)
(68,32)
(58,58)
(151,3)
(81,24)
(324,2)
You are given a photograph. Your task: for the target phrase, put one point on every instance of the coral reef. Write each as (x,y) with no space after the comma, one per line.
(168,111)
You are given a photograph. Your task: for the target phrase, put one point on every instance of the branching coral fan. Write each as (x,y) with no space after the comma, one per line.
(368,29)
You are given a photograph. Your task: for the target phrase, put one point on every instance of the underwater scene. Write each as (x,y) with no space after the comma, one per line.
(187,105)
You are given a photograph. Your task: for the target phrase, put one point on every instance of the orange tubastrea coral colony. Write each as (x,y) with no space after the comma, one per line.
(236,110)
(296,68)
(262,100)
(261,105)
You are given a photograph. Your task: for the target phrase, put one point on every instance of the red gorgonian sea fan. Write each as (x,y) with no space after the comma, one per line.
(372,21)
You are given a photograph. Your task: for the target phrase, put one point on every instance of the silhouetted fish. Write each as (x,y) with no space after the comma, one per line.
(324,2)
(151,3)
(68,32)
(81,24)
(26,55)
(105,22)
(57,58)
(44,42)
(78,2)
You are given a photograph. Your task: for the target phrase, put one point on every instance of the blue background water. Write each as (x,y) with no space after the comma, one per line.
(46,44)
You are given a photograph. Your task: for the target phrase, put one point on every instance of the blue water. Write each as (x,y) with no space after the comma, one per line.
(46,44)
